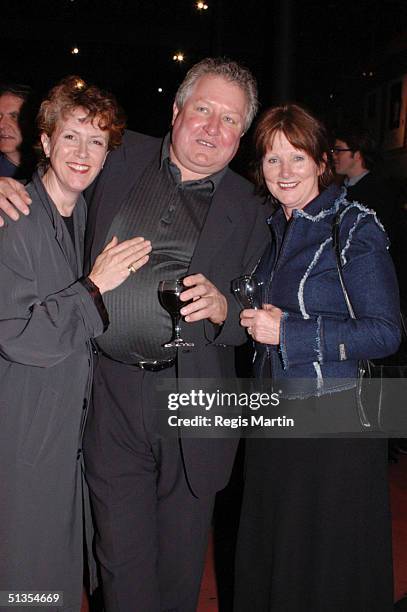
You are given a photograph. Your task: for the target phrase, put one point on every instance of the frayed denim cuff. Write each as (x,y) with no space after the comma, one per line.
(300,340)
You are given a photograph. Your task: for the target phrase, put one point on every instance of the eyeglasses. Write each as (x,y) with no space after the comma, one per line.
(339,150)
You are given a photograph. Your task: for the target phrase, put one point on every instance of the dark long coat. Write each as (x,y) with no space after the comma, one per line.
(46,321)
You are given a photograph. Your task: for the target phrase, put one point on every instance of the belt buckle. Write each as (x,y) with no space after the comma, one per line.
(155,366)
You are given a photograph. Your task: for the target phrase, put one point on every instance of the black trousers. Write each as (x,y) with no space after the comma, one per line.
(315,530)
(151,531)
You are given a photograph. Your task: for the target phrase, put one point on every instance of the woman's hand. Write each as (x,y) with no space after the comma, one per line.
(263,325)
(117,261)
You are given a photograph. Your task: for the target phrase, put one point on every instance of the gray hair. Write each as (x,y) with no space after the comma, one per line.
(228,70)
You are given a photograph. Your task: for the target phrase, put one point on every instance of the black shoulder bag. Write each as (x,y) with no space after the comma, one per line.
(381,387)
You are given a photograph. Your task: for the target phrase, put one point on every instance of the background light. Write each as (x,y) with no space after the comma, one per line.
(178,57)
(160,90)
(74,50)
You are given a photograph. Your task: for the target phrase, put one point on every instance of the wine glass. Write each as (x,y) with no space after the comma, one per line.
(249,291)
(168,294)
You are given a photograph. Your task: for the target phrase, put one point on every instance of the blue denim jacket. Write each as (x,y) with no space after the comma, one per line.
(319,343)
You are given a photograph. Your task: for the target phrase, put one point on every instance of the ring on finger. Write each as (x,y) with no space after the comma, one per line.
(131,268)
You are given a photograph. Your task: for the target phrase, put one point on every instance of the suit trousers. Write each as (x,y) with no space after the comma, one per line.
(151,531)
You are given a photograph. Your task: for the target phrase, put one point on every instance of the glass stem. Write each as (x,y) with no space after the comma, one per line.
(177,327)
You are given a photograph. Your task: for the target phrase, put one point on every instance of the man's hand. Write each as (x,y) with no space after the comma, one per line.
(263,325)
(207,301)
(13,199)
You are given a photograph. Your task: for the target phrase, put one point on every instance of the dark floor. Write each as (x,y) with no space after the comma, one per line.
(208,601)
(398,492)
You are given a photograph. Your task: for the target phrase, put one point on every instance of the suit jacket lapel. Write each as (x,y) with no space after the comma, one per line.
(123,169)
(110,184)
(62,236)
(79,216)
(219,224)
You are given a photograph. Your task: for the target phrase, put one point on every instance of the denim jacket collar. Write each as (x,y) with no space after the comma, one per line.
(325,203)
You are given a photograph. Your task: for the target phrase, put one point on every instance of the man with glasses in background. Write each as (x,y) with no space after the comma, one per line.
(357,159)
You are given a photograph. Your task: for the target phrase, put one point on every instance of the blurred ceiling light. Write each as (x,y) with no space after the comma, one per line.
(74,50)
(178,57)
(160,90)
(201,6)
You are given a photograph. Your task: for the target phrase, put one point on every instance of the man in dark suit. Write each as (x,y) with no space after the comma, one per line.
(356,158)
(153,496)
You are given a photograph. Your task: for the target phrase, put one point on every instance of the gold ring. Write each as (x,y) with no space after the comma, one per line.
(131,269)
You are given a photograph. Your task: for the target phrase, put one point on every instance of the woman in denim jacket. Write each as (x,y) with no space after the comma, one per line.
(315,526)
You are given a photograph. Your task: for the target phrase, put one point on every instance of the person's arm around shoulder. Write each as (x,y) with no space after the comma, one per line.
(14,200)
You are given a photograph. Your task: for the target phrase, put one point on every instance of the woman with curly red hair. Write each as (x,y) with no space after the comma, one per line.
(49,313)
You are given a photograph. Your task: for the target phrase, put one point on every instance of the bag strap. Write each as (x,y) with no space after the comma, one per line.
(337,248)
(364,367)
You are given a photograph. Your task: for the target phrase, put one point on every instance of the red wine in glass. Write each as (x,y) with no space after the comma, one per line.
(168,294)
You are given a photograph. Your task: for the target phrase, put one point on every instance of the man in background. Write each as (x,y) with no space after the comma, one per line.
(357,159)
(17,158)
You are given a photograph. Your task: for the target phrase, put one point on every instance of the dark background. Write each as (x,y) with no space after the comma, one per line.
(325,54)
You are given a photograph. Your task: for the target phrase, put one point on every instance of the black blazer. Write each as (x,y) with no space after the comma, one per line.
(378,194)
(232,240)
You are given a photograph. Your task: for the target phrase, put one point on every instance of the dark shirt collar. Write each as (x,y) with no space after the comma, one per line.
(211,181)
